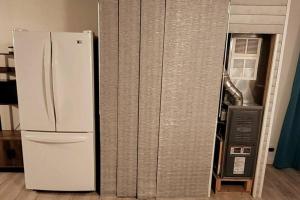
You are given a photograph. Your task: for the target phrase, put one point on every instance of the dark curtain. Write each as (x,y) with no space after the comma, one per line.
(288,151)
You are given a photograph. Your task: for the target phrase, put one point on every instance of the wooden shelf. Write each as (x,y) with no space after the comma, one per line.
(7,54)
(10,135)
(7,70)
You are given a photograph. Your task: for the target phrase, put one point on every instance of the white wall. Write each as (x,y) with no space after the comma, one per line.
(290,58)
(41,15)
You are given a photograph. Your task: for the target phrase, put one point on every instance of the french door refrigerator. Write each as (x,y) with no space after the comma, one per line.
(54,72)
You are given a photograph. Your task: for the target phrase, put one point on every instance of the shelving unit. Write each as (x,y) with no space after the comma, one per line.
(11,159)
(8,87)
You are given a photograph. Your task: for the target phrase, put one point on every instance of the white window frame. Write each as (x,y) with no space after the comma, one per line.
(233,56)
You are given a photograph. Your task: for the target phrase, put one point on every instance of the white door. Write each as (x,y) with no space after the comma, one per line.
(33,74)
(60,162)
(72,65)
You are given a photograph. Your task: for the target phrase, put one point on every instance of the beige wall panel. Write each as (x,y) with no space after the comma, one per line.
(109,94)
(152,32)
(259,2)
(256,19)
(254,28)
(129,42)
(258,10)
(192,70)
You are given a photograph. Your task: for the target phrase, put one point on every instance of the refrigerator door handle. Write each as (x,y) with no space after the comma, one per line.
(44,77)
(55,140)
(51,79)
(47,77)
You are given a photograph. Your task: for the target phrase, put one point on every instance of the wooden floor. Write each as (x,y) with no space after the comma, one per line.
(279,185)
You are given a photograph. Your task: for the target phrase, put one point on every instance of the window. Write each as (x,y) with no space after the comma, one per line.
(244,58)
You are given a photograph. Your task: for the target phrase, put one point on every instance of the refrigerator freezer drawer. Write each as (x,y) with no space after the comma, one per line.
(59,161)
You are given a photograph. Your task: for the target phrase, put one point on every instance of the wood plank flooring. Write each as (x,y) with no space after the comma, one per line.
(279,185)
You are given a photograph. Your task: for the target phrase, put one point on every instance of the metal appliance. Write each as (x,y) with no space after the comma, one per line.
(241,141)
(240,117)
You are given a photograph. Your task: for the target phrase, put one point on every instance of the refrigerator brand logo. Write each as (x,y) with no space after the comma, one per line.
(79,41)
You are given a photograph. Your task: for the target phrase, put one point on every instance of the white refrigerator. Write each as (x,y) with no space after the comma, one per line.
(55,84)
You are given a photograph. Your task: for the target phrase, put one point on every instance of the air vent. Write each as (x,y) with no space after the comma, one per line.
(244,58)
(244,125)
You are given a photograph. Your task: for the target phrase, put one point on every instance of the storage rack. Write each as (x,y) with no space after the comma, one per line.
(10,140)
